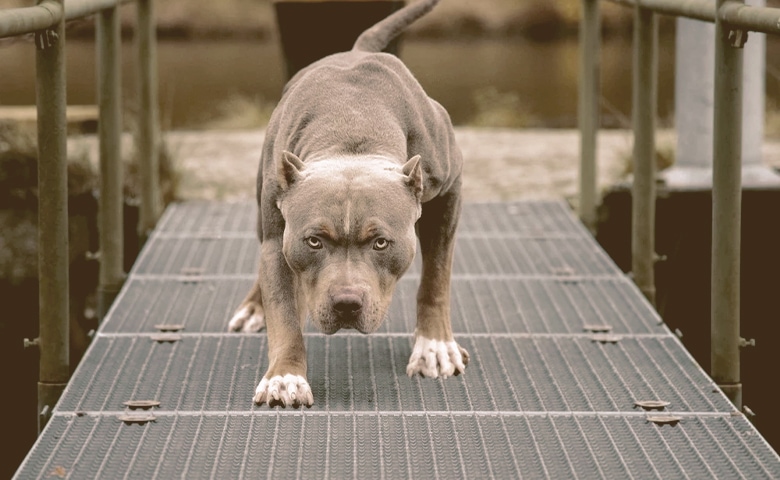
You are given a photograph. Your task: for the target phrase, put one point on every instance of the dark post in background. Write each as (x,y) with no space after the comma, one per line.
(310,30)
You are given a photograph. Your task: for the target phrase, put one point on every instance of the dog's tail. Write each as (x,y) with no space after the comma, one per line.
(376,38)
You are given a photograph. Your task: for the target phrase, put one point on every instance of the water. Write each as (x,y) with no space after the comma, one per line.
(467,77)
(540,79)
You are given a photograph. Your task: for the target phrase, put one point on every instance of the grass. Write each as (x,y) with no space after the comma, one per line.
(499,110)
(19,167)
(241,112)
(772,129)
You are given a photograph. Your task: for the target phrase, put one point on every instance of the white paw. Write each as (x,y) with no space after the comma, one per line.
(292,390)
(436,358)
(247,319)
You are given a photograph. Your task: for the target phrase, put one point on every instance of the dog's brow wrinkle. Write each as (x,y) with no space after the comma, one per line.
(346,218)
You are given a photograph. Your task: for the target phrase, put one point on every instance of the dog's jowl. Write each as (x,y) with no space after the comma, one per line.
(358,164)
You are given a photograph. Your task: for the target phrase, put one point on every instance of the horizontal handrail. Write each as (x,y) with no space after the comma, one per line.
(83,8)
(696,9)
(19,21)
(755,19)
(735,14)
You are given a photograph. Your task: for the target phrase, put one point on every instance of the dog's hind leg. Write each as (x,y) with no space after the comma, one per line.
(249,316)
(435,352)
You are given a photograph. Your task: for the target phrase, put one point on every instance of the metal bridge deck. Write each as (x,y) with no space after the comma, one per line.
(542,397)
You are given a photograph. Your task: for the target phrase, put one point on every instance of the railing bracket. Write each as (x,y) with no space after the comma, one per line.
(737,38)
(747,343)
(46,38)
(43,416)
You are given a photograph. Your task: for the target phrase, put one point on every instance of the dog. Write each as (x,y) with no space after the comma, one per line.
(358,165)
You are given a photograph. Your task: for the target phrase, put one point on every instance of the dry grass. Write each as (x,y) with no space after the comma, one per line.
(495,109)
(241,112)
(19,167)
(772,127)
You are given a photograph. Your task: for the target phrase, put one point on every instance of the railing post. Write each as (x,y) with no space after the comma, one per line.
(644,91)
(53,252)
(588,110)
(148,121)
(110,131)
(726,208)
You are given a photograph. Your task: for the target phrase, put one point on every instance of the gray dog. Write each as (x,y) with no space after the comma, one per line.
(356,159)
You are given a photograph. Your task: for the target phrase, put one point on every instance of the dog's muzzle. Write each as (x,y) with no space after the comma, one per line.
(347,308)
(347,304)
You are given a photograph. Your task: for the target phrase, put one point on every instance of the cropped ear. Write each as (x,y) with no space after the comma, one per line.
(414,179)
(289,168)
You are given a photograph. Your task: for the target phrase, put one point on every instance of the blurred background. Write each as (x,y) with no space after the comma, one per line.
(492,63)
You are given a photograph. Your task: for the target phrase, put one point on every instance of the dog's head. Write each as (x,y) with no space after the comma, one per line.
(349,234)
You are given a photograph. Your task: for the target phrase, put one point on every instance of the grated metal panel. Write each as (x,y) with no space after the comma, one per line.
(208,218)
(362,373)
(401,445)
(203,255)
(540,399)
(479,305)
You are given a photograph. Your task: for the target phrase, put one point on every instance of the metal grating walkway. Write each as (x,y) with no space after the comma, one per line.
(541,398)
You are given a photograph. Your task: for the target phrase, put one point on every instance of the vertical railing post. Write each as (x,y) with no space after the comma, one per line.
(53,255)
(726,208)
(588,110)
(148,119)
(645,88)
(110,131)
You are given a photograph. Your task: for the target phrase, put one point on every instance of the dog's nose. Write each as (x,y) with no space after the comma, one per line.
(347,303)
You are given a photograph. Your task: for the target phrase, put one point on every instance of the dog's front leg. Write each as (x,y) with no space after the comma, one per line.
(435,352)
(284,383)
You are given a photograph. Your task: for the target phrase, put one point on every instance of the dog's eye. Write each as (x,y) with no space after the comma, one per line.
(381,244)
(314,242)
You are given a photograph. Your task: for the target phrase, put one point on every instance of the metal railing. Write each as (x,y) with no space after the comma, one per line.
(47,21)
(733,19)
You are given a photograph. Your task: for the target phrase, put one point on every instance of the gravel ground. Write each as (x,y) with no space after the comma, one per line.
(500,164)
